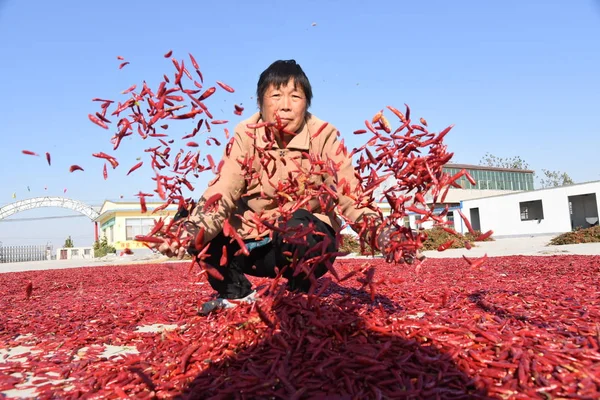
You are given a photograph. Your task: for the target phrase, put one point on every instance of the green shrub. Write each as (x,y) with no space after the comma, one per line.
(587,235)
(435,237)
(350,244)
(101,247)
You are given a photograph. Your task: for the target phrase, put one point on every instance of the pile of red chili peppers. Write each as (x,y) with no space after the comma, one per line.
(526,327)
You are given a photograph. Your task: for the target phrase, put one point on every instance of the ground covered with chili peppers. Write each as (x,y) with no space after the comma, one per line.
(523,327)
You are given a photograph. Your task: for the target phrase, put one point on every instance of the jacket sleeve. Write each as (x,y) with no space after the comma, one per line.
(352,203)
(230,184)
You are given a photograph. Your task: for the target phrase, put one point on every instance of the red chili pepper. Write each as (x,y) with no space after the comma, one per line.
(149,239)
(28,290)
(97,121)
(226,87)
(223,260)
(446,245)
(194,63)
(207,93)
(466,221)
(136,166)
(212,200)
(74,168)
(200,75)
(474,264)
(397,113)
(484,236)
(213,272)
(129,90)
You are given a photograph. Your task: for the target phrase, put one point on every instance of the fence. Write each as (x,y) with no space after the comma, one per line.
(25,253)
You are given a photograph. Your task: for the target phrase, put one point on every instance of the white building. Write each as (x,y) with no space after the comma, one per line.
(536,212)
(503,200)
(490,181)
(74,253)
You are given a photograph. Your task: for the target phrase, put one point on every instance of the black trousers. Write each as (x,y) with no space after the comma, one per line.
(267,260)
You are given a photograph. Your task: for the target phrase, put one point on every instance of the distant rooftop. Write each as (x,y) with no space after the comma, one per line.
(486,168)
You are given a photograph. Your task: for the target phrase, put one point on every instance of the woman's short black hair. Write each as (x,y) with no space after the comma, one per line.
(279,73)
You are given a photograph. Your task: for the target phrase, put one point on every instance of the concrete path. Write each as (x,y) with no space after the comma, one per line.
(94,262)
(530,246)
(527,246)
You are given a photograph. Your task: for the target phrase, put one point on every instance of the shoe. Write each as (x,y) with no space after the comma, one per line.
(221,304)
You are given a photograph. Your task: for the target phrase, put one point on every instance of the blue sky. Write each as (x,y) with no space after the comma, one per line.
(517,78)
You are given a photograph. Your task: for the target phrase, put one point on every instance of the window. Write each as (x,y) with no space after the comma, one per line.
(138,226)
(74,252)
(531,210)
(87,252)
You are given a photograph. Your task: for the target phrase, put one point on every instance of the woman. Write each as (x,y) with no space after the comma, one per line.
(275,171)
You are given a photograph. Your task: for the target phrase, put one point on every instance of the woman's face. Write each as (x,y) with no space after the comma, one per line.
(286,101)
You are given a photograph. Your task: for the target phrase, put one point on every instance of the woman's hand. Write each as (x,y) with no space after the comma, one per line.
(172,248)
(168,247)
(389,243)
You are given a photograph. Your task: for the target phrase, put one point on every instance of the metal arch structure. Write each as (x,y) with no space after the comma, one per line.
(37,202)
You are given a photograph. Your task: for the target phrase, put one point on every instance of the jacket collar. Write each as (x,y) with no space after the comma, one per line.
(299,142)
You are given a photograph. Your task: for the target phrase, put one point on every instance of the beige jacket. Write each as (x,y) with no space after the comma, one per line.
(253,189)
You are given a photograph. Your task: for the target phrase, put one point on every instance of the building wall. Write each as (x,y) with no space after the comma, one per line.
(458,195)
(75,253)
(113,221)
(503,214)
(116,234)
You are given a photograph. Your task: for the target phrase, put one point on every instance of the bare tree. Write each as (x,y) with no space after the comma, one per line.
(555,179)
(549,179)
(491,160)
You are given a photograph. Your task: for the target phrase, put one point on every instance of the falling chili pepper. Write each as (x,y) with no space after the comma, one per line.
(226,87)
(136,166)
(207,93)
(97,121)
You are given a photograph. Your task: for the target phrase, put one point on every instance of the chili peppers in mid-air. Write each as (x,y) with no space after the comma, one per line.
(410,157)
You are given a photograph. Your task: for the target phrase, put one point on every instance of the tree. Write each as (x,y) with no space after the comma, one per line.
(491,160)
(555,179)
(551,178)
(68,243)
(102,248)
